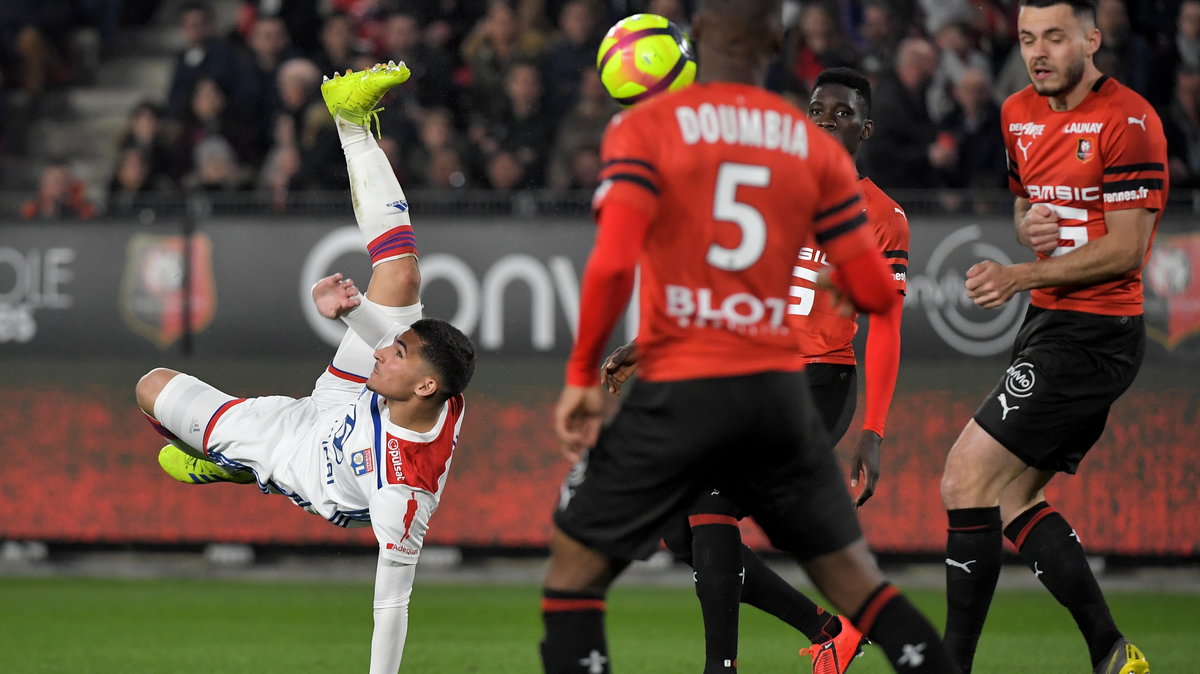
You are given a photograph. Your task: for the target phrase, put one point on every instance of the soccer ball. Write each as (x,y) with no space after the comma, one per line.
(643,55)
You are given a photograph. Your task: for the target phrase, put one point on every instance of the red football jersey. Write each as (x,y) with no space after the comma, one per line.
(825,336)
(735,180)
(1108,153)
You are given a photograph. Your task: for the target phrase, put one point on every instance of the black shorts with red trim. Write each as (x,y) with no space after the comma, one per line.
(1067,369)
(758,436)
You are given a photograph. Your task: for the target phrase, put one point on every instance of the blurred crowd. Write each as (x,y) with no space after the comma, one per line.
(504,94)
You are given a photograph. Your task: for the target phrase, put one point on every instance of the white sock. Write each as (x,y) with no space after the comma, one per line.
(356,138)
(379,203)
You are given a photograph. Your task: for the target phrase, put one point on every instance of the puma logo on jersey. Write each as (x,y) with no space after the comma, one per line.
(1136,120)
(965,566)
(1005,407)
(1024,148)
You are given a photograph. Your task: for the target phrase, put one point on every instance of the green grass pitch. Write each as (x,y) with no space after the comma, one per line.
(162,626)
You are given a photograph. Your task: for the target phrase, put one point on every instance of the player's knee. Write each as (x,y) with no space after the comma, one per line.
(957,489)
(150,385)
(574,567)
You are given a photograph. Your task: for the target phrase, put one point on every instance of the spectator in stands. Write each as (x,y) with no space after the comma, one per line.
(209,116)
(881,30)
(301,18)
(217,169)
(60,196)
(34,43)
(814,44)
(571,53)
(269,46)
(431,82)
(956,41)
(146,134)
(435,132)
(903,152)
(1124,55)
(974,125)
(446,170)
(277,178)
(1181,125)
(338,44)
(523,128)
(1180,50)
(497,41)
(204,55)
(134,191)
(504,172)
(579,133)
(303,121)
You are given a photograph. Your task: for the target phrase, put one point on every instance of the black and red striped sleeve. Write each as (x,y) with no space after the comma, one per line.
(628,170)
(1135,160)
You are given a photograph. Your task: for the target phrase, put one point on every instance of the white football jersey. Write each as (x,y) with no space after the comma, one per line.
(368,471)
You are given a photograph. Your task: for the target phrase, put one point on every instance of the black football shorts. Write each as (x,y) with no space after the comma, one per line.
(758,436)
(1067,369)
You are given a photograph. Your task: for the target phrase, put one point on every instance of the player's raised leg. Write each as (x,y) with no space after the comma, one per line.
(182,402)
(381,211)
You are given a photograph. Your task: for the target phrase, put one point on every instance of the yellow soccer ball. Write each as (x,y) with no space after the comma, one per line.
(643,55)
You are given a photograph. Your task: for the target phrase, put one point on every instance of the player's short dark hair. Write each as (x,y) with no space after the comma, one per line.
(851,79)
(449,352)
(1084,10)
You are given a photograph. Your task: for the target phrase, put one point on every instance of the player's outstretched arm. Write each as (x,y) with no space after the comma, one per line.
(334,296)
(393,588)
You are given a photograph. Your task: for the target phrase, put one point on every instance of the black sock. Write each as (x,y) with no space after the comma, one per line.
(1054,552)
(974,549)
(717,564)
(765,590)
(574,640)
(910,642)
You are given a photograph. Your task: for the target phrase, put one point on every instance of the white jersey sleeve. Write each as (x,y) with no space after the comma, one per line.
(393,587)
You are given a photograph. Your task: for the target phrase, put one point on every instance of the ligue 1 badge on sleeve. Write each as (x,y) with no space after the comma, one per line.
(152,299)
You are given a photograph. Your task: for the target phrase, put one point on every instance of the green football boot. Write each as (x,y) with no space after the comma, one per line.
(354,95)
(188,469)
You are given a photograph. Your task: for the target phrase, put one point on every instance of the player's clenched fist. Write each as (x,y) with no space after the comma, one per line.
(1038,229)
(990,284)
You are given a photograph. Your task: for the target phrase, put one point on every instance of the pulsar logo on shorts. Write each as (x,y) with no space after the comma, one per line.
(395,473)
(1140,121)
(1020,380)
(400,205)
(362,462)
(1026,129)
